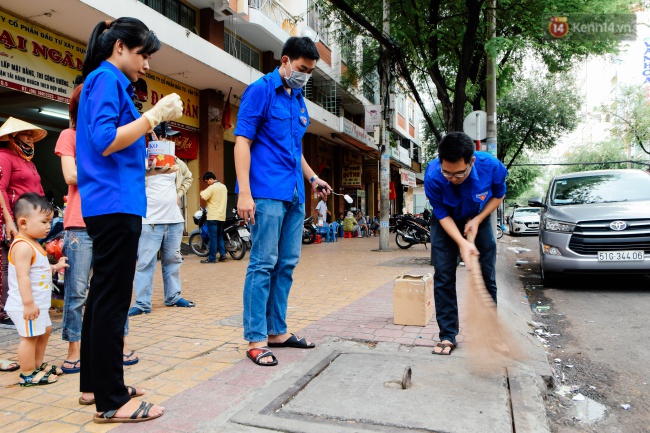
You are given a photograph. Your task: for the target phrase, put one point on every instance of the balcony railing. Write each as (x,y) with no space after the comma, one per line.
(277,13)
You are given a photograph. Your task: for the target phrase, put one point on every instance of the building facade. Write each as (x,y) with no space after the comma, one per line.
(212,50)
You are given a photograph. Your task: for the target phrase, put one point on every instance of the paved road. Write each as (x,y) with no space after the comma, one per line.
(603,327)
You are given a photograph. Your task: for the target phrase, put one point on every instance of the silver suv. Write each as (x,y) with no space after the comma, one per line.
(595,222)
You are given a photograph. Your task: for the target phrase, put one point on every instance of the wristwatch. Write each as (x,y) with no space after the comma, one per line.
(313,178)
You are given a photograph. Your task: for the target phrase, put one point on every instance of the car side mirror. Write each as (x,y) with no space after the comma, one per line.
(536,202)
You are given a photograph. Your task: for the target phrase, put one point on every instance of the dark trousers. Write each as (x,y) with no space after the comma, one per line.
(115,249)
(215,231)
(444,253)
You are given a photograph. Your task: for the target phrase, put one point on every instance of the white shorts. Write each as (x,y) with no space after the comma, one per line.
(30,328)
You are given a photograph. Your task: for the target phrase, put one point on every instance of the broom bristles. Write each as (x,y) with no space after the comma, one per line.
(489,342)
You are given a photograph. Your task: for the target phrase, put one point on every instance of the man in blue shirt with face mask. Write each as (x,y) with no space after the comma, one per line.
(271,122)
(464,187)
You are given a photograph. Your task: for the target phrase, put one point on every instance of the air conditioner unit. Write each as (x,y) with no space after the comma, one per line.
(228,8)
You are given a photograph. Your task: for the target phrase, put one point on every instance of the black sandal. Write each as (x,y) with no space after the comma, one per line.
(109,416)
(262,352)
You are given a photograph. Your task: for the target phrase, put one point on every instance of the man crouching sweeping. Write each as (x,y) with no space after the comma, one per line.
(463,187)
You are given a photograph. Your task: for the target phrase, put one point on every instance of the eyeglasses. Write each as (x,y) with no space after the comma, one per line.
(457,175)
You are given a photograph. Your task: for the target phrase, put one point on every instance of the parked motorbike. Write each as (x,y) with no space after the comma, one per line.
(308,231)
(411,231)
(500,228)
(237,238)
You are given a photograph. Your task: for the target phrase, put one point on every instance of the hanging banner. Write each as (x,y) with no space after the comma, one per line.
(37,61)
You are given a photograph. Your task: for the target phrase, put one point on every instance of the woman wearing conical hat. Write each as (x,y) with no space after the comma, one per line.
(18,175)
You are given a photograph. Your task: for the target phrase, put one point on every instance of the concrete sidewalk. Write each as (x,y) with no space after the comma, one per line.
(193,360)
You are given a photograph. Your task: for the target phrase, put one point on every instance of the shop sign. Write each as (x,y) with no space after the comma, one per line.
(407,177)
(351,174)
(43,63)
(37,61)
(373,117)
(356,132)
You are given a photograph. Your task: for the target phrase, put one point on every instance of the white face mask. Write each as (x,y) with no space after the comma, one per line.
(297,79)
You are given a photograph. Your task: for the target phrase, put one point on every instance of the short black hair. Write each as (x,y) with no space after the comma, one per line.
(208,175)
(297,47)
(29,202)
(456,146)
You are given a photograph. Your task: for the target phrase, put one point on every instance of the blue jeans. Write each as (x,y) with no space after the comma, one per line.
(274,255)
(166,238)
(78,248)
(444,252)
(215,231)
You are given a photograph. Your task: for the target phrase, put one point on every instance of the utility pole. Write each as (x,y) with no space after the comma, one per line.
(384,165)
(491,103)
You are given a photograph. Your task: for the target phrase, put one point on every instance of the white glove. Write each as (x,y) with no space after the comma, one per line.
(168,108)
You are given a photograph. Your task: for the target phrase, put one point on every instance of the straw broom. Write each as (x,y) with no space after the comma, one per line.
(489,343)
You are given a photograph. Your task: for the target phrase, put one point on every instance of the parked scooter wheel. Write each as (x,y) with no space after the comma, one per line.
(240,252)
(197,245)
(499,232)
(401,242)
(308,236)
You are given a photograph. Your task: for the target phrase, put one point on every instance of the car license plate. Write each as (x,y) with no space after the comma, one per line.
(243,233)
(620,256)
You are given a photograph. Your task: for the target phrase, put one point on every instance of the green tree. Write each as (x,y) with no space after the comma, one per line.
(630,116)
(440,46)
(602,154)
(534,116)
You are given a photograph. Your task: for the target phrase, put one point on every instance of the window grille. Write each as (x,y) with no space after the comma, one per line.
(175,11)
(242,51)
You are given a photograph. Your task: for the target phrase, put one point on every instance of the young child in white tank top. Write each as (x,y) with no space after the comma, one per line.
(30,288)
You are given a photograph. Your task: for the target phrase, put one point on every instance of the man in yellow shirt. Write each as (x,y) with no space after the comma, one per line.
(216,198)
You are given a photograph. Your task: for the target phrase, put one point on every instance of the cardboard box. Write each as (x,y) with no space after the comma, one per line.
(413,299)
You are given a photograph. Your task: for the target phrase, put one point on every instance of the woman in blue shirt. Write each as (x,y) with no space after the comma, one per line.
(111,164)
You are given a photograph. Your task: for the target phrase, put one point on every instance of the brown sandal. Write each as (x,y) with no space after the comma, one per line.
(442,345)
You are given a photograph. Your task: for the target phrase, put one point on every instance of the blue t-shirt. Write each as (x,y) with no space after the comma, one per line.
(114,183)
(276,122)
(487,179)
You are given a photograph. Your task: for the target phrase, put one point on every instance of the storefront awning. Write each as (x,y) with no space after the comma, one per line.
(356,143)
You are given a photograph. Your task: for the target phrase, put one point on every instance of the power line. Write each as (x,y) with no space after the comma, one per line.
(583,163)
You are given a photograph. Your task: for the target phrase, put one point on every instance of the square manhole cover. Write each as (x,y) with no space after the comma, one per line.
(360,392)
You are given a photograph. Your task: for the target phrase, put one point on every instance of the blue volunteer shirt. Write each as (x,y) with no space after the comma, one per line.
(276,122)
(487,179)
(114,183)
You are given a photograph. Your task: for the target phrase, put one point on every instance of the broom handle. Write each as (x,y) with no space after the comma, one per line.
(475,267)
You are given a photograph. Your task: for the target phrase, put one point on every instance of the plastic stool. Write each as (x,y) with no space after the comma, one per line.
(347,234)
(318,239)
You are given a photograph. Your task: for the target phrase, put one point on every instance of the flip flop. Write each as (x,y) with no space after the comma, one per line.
(132,393)
(257,353)
(109,416)
(444,346)
(295,342)
(74,369)
(127,361)
(5,365)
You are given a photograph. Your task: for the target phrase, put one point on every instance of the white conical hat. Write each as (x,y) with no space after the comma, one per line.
(13,125)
